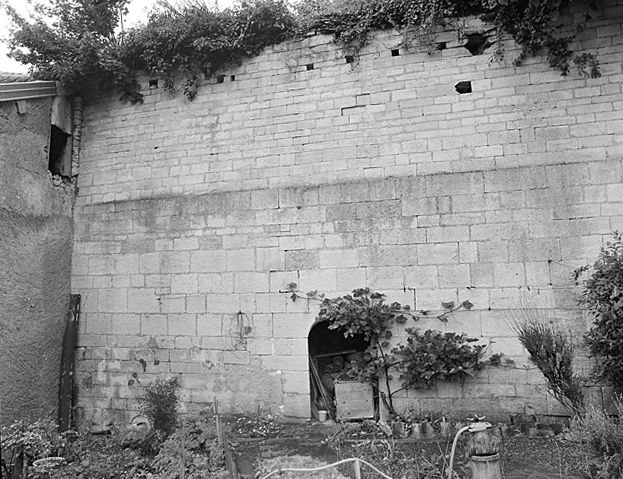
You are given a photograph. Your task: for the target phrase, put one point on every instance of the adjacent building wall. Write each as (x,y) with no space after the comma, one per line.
(35,261)
(193,217)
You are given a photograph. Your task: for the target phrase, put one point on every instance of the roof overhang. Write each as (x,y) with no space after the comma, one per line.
(29,90)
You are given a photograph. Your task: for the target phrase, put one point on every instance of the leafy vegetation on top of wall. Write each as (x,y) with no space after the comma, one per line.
(192,39)
(84,41)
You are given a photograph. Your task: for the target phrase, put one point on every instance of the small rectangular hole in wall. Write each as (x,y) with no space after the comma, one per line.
(441,45)
(349,58)
(153,83)
(220,78)
(233,78)
(310,66)
(395,52)
(477,43)
(59,152)
(463,87)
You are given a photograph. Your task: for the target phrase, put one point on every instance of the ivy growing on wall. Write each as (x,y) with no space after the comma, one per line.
(84,42)
(192,39)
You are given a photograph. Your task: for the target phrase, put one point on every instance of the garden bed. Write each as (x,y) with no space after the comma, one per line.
(536,455)
(258,446)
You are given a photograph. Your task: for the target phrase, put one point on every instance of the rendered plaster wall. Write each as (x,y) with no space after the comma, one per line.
(193,217)
(35,263)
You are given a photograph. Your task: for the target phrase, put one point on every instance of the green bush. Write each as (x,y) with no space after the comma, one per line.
(191,451)
(159,403)
(603,295)
(24,442)
(194,449)
(436,356)
(99,457)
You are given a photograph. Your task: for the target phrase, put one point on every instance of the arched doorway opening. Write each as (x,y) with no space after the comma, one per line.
(329,353)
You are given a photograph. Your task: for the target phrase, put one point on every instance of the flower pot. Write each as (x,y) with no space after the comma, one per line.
(444,428)
(417,430)
(486,467)
(400,430)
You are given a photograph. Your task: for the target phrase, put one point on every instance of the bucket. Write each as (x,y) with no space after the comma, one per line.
(322,415)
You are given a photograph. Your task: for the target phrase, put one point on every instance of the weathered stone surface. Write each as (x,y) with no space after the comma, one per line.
(382,177)
(35,262)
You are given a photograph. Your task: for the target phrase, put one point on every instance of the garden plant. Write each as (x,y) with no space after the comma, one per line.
(428,356)
(602,294)
(172,448)
(552,351)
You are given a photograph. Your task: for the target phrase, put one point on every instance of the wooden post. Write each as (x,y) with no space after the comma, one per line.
(65,400)
(221,435)
(182,453)
(486,467)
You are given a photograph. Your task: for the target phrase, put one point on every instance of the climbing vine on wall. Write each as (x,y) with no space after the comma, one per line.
(84,42)
(427,357)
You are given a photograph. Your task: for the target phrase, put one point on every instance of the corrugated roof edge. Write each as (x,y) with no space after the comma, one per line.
(26,90)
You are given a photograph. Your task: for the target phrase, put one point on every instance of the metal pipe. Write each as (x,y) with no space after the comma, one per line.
(357,469)
(456,439)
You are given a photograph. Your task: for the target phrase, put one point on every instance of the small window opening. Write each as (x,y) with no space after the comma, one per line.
(310,66)
(233,78)
(477,43)
(442,45)
(463,87)
(396,53)
(349,58)
(153,83)
(59,152)
(220,78)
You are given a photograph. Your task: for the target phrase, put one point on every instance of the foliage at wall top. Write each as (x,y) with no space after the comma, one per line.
(84,41)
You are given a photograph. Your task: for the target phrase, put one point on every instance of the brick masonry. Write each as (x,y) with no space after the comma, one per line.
(192,217)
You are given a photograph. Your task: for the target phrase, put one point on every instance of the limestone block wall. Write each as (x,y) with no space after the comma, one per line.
(35,260)
(193,217)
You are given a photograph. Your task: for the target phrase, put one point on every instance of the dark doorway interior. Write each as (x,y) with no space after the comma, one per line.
(329,351)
